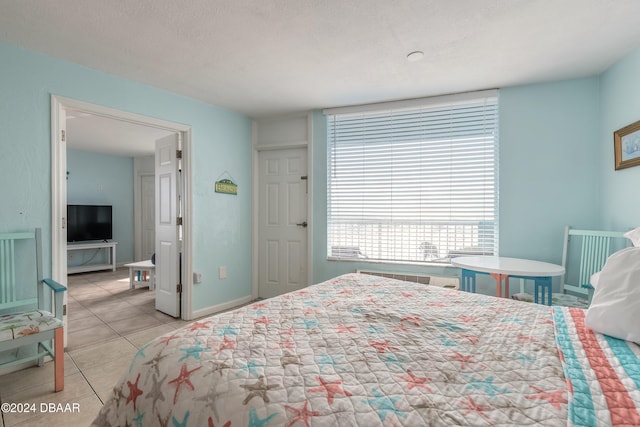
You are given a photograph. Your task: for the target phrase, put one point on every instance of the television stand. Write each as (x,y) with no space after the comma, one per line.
(110,265)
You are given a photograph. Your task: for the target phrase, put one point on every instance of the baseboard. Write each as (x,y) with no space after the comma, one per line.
(222,307)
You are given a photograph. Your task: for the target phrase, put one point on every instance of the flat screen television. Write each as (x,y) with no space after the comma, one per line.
(89,222)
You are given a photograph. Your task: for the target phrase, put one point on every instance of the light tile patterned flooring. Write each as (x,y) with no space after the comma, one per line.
(108,323)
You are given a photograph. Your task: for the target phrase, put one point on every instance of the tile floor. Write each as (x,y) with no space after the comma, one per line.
(108,323)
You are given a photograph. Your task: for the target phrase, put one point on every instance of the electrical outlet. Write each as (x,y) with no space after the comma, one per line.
(222,272)
(197,278)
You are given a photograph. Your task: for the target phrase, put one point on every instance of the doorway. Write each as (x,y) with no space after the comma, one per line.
(60,107)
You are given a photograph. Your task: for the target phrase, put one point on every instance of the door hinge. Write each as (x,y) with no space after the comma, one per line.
(179,220)
(179,288)
(304,177)
(178,154)
(64,310)
(63,135)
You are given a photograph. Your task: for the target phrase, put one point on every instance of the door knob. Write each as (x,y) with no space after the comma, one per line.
(302,224)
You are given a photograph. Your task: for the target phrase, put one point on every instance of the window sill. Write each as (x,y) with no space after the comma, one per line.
(412,264)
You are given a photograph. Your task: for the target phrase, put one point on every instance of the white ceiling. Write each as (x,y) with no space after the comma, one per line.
(271,57)
(110,136)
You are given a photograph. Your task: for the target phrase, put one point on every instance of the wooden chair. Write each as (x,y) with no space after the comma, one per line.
(584,253)
(22,290)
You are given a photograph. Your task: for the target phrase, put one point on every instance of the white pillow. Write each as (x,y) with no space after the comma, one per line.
(594,279)
(634,236)
(616,301)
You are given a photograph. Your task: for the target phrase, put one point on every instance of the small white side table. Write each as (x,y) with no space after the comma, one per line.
(501,268)
(138,269)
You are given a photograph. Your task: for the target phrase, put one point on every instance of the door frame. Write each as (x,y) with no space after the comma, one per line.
(255,199)
(59,106)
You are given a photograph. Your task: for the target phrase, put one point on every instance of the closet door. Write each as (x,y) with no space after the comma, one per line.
(283,229)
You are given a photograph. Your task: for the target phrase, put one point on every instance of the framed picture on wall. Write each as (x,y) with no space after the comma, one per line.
(626,146)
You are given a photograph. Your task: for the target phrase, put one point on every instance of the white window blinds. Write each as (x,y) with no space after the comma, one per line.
(414,184)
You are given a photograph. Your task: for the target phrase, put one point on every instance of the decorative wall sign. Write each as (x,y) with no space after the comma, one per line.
(626,146)
(226,186)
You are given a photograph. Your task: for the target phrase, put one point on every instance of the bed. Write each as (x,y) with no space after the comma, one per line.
(362,350)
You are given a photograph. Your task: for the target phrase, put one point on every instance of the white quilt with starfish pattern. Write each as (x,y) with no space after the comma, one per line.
(356,350)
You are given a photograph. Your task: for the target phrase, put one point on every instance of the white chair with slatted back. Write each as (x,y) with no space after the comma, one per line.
(27,314)
(584,253)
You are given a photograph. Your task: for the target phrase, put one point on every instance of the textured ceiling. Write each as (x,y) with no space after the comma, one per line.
(271,57)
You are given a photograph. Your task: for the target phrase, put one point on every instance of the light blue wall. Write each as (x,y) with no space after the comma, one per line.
(548,166)
(102,179)
(548,174)
(221,142)
(620,93)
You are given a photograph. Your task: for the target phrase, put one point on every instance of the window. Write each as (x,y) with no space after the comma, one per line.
(413,183)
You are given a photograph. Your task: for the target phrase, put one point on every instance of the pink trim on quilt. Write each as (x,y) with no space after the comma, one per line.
(621,406)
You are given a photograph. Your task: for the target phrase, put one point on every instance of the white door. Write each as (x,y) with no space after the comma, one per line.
(167,229)
(282,233)
(147,214)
